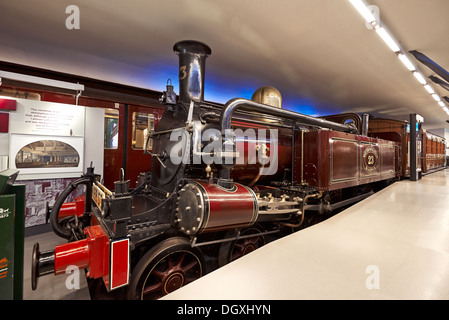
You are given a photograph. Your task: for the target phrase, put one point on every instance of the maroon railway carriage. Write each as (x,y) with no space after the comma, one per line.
(434,152)
(399,131)
(336,160)
(223,180)
(431,148)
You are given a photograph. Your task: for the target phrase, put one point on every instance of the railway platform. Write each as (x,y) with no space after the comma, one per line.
(392,245)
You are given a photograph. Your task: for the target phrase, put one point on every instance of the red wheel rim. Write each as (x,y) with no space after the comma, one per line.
(245,246)
(171,273)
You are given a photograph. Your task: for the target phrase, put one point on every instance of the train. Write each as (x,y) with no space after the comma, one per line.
(224,180)
(431,148)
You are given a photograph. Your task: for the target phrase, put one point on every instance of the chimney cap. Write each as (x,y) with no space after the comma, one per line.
(192,46)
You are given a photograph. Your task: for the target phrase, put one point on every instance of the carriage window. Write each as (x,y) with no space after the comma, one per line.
(111,129)
(143,124)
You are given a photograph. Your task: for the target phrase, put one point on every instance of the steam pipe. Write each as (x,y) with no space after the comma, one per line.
(240,103)
(303,210)
(365,123)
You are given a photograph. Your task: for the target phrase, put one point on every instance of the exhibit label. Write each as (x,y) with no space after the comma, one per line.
(47,118)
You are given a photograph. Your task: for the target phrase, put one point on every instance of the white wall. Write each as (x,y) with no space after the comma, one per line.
(91,126)
(94,139)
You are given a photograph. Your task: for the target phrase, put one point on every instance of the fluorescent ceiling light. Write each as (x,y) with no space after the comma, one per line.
(41,81)
(436,97)
(429,89)
(419,77)
(406,61)
(363,10)
(388,39)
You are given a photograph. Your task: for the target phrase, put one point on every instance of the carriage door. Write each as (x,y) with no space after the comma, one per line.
(113,144)
(126,129)
(140,122)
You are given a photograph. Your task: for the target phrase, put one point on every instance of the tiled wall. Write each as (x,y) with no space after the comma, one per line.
(39,192)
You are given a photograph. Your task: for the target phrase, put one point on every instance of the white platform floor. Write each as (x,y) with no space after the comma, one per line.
(396,242)
(393,245)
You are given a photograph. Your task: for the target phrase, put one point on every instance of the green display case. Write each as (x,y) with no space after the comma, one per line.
(12,235)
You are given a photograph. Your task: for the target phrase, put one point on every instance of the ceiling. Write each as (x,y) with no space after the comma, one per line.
(318,53)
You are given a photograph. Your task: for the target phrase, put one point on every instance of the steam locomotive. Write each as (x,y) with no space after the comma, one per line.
(224,180)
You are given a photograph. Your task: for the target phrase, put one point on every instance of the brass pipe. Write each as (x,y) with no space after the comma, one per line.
(292,225)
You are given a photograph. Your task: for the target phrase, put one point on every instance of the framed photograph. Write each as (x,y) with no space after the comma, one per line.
(52,156)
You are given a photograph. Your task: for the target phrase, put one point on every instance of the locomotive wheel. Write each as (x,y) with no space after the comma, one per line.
(166,267)
(232,250)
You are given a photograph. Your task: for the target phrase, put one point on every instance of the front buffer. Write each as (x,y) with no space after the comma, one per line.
(103,250)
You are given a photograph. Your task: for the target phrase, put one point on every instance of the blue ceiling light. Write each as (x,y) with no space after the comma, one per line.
(221,89)
(301,106)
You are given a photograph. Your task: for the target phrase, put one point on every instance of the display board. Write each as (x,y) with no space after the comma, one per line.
(46,139)
(43,155)
(47,118)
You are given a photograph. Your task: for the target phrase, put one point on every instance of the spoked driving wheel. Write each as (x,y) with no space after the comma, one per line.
(166,267)
(232,250)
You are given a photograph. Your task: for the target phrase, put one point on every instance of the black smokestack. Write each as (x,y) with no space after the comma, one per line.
(192,65)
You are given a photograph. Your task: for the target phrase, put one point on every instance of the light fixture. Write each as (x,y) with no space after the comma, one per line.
(366,13)
(436,97)
(446,109)
(429,89)
(388,39)
(362,8)
(41,81)
(406,61)
(420,78)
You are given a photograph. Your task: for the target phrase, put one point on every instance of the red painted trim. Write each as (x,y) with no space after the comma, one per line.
(73,253)
(75,208)
(4,122)
(99,252)
(119,274)
(91,253)
(8,104)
